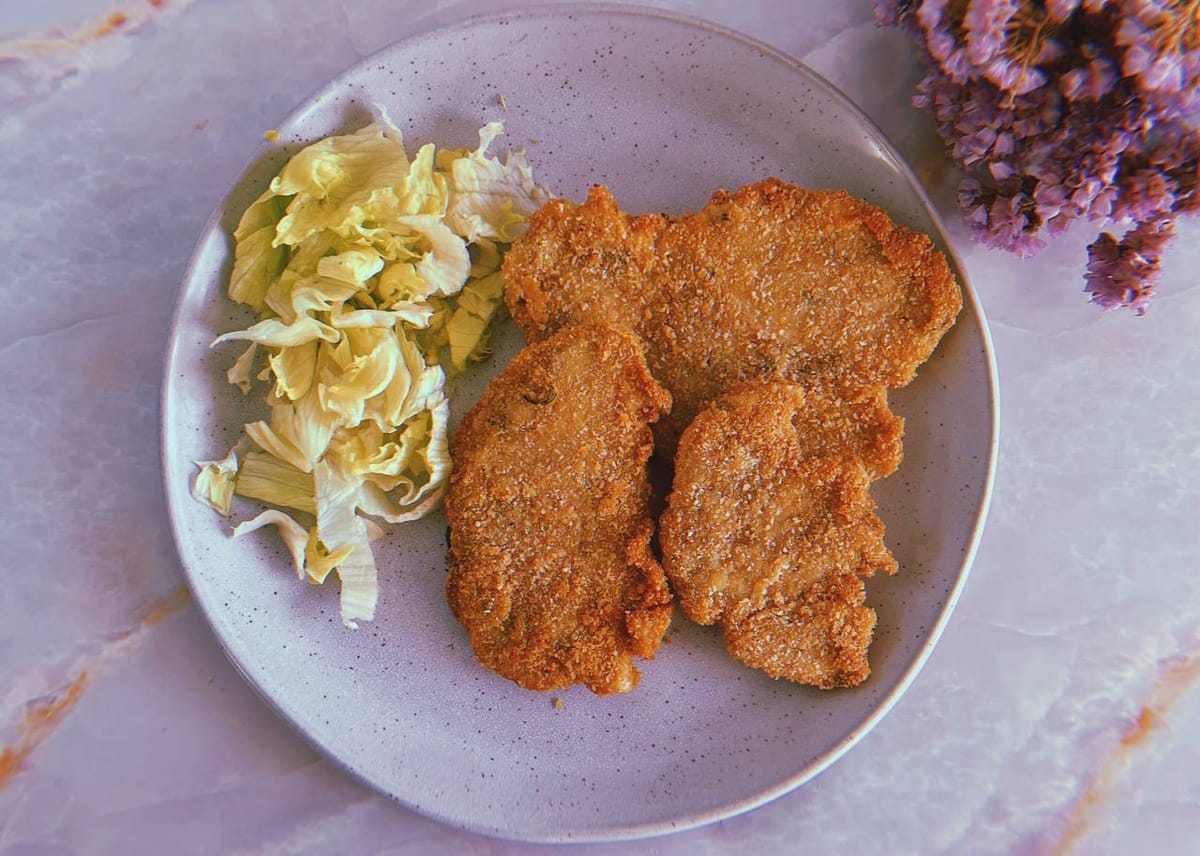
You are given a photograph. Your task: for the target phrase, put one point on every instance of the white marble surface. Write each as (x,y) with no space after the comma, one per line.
(1057,715)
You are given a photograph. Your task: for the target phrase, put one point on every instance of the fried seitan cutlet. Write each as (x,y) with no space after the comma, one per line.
(770,526)
(550,565)
(858,424)
(769,281)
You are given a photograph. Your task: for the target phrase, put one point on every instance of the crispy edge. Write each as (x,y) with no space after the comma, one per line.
(858,422)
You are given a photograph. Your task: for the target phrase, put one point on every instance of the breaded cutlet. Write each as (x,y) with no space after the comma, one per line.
(550,567)
(772,280)
(770,527)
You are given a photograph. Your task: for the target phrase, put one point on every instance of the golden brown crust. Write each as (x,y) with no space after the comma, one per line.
(770,523)
(819,638)
(550,565)
(769,281)
(857,423)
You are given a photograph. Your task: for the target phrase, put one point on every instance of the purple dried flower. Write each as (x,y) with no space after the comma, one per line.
(1143,194)
(1050,198)
(969,190)
(1012,76)
(1061,10)
(1008,41)
(1124,274)
(1155,72)
(1093,80)
(1001,216)
(1104,203)
(892,13)
(1004,145)
(1173,145)
(1086,191)
(941,39)
(1058,224)
(1001,170)
(986,26)
(1120,140)
(1063,110)
(1162,45)
(974,145)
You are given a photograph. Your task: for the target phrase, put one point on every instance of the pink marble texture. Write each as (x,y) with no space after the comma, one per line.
(1058,714)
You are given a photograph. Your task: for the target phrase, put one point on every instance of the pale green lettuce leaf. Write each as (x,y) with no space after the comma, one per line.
(293,534)
(446,264)
(313,426)
(410,479)
(437,451)
(339,527)
(466,330)
(360,319)
(360,368)
(415,314)
(298,433)
(300,270)
(423,191)
(412,313)
(391,245)
(332,182)
(275,439)
(485,258)
(323,167)
(294,369)
(490,199)
(399,282)
(318,294)
(275,333)
(366,452)
(214,483)
(410,390)
(319,561)
(354,266)
(257,262)
(423,492)
(239,373)
(268,479)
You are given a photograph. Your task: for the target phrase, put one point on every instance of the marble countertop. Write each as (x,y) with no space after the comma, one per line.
(1057,715)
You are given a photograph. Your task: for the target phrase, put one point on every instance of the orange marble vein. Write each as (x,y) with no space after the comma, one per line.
(1178,676)
(166,607)
(43,715)
(50,42)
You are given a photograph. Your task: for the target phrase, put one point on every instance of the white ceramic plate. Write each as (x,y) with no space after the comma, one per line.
(663,110)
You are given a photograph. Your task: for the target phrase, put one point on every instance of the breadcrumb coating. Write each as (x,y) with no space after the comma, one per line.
(771,280)
(551,571)
(770,526)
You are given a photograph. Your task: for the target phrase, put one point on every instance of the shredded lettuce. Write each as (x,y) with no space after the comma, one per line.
(214,483)
(272,480)
(467,328)
(375,279)
(293,534)
(490,199)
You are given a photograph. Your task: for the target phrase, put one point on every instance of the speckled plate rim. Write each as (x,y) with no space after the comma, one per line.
(971,303)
